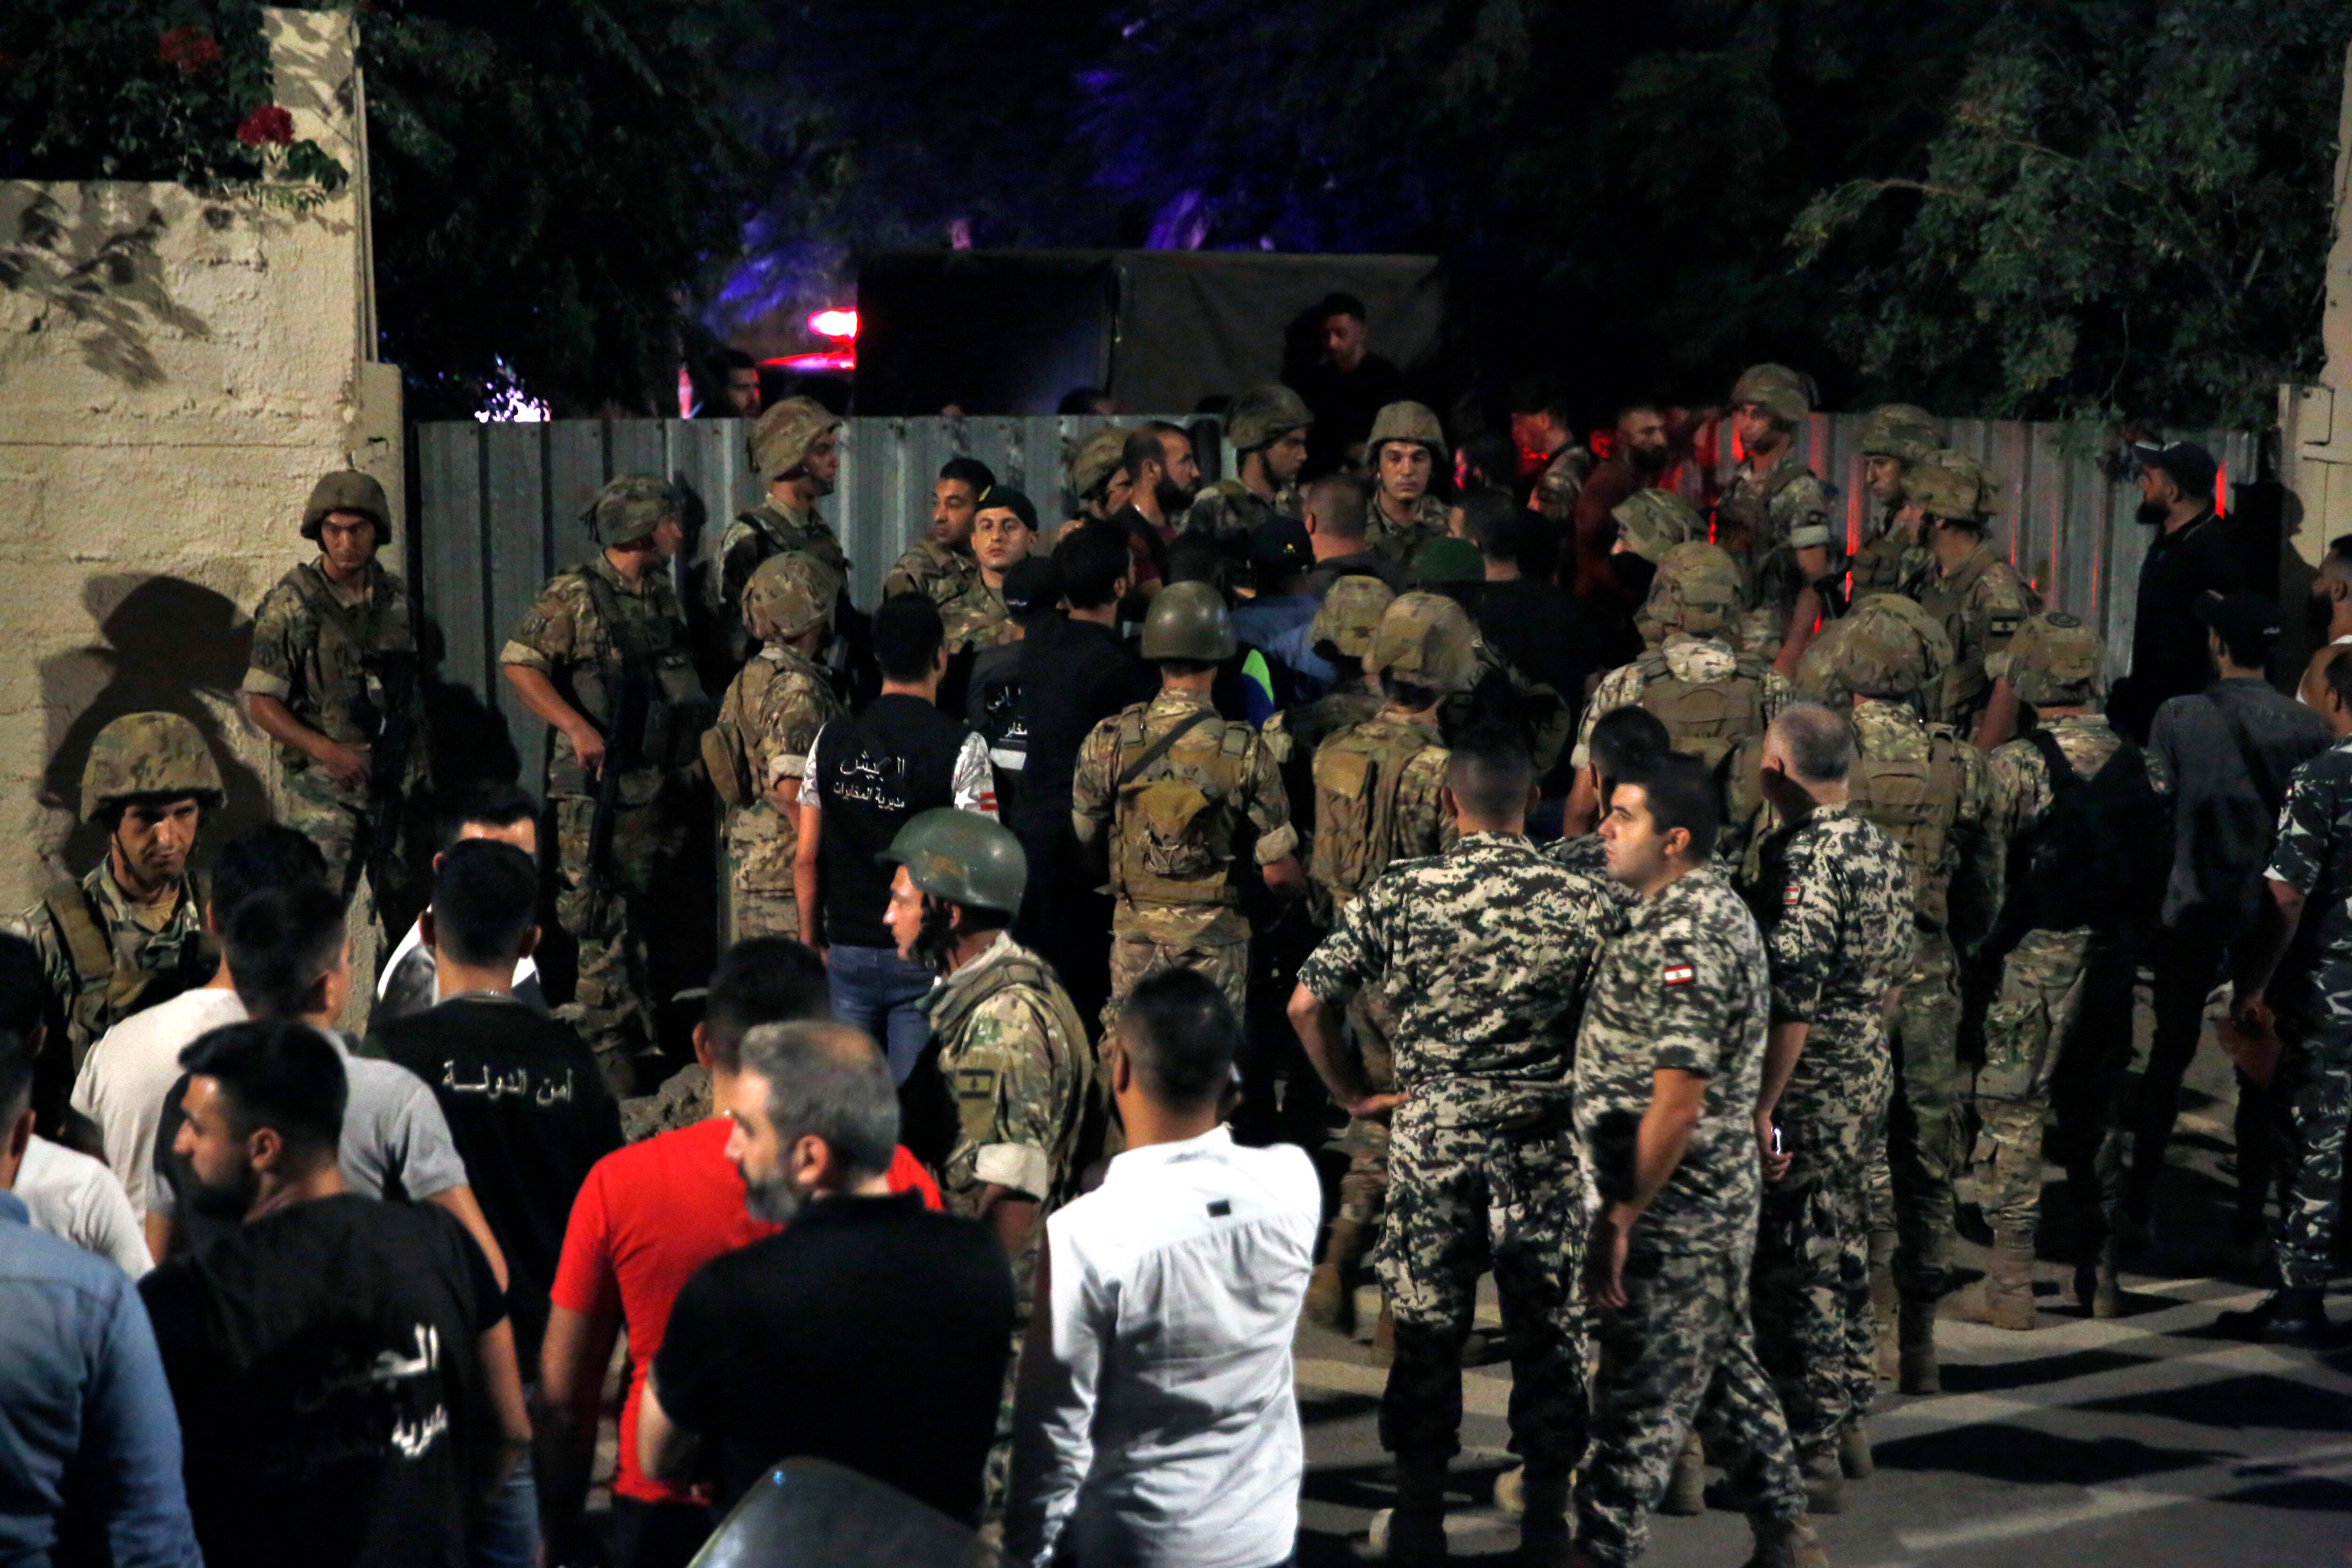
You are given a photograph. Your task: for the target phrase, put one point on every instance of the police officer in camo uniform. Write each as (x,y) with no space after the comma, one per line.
(1896,438)
(758,752)
(1173,794)
(332,679)
(1013,1051)
(795,450)
(1406,445)
(1267,426)
(1833,895)
(1378,799)
(1669,1060)
(1774,517)
(1484,951)
(1977,596)
(603,657)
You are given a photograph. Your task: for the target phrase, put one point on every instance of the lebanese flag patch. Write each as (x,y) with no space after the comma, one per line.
(1794,895)
(1678,975)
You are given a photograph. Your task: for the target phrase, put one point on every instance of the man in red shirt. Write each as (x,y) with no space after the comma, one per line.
(648,1216)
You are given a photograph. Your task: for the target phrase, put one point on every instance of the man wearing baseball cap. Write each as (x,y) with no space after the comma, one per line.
(2193,553)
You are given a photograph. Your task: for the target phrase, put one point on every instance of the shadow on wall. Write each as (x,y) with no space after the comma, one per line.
(471,743)
(170,645)
(99,266)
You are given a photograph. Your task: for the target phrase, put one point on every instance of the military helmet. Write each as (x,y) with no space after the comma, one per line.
(1902,430)
(1188,620)
(1651,521)
(1951,484)
(1697,590)
(2053,658)
(779,442)
(1263,414)
(789,595)
(962,857)
(348,490)
(1448,560)
(1786,394)
(1406,422)
(159,755)
(1427,639)
(1096,459)
(1889,647)
(1816,675)
(1350,613)
(629,507)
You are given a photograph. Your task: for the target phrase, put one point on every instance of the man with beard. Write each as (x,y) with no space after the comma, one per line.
(1774,516)
(1541,427)
(1346,387)
(2192,554)
(2330,614)
(939,564)
(870,1331)
(1636,462)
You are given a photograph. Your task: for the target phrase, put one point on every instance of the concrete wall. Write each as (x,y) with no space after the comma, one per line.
(2316,422)
(176,371)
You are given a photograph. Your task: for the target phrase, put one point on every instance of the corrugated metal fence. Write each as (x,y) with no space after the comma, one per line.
(499,505)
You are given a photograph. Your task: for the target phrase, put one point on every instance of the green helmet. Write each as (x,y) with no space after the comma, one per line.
(1784,393)
(1901,430)
(779,442)
(789,595)
(2053,658)
(962,857)
(1889,647)
(1697,591)
(1263,414)
(1406,422)
(1096,459)
(1448,560)
(348,490)
(158,755)
(1426,639)
(628,508)
(1651,521)
(1188,620)
(1350,613)
(1952,485)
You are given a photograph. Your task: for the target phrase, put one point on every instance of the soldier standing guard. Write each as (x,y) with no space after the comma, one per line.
(332,679)
(601,656)
(1267,426)
(1895,436)
(796,450)
(1407,445)
(1977,596)
(1774,518)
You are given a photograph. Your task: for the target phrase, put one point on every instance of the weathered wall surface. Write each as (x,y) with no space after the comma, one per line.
(2316,422)
(176,373)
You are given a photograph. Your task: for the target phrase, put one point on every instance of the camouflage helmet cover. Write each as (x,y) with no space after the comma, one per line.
(1900,430)
(1697,591)
(1349,614)
(1889,647)
(629,507)
(1096,458)
(158,755)
(2053,658)
(1427,639)
(790,594)
(1651,521)
(1188,620)
(1951,484)
(1786,394)
(1406,422)
(347,489)
(962,857)
(1263,414)
(779,442)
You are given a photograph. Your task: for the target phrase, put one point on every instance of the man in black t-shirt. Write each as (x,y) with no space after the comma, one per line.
(343,1368)
(2194,552)
(872,1332)
(1548,635)
(867,776)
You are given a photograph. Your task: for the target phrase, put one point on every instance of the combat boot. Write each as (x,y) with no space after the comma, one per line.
(1331,1289)
(2107,1294)
(1543,1526)
(1687,1487)
(1413,1531)
(2291,1315)
(1824,1481)
(2004,1297)
(1915,1331)
(1883,1298)
(1785,1543)
(1854,1456)
(1384,1335)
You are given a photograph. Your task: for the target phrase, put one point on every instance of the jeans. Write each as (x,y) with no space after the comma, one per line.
(875,990)
(507,1533)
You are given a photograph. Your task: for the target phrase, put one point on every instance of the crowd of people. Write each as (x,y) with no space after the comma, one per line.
(1157,914)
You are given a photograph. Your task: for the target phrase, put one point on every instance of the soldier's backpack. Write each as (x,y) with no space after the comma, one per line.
(1917,801)
(1720,722)
(2099,857)
(1163,850)
(1357,774)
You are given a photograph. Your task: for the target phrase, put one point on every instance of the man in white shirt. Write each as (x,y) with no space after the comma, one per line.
(1156,1421)
(76,1198)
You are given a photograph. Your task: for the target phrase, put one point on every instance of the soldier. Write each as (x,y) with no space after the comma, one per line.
(1341,636)
(1267,426)
(1407,445)
(758,752)
(1003,528)
(1669,1057)
(1484,951)
(1650,523)
(131,933)
(939,564)
(1896,438)
(1833,895)
(1098,480)
(601,657)
(1774,518)
(1978,597)
(1930,791)
(796,449)
(2075,800)
(1013,1050)
(1169,793)
(1543,424)
(332,679)
(1377,799)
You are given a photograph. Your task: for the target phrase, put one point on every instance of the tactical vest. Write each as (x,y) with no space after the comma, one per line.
(361,652)
(1164,831)
(1916,800)
(957,1005)
(1946,599)
(1705,719)
(1357,774)
(649,674)
(103,994)
(1744,521)
(2086,864)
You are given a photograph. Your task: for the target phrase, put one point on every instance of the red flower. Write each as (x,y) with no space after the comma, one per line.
(191,49)
(267,123)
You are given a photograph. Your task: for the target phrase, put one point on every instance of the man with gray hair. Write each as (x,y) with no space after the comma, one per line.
(871,1331)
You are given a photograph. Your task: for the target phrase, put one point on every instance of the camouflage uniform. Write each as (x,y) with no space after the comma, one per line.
(976,618)
(1484,952)
(768,529)
(1560,483)
(334,661)
(929,567)
(1400,542)
(1684,985)
(1230,513)
(2312,994)
(1346,622)
(1887,560)
(768,723)
(1763,520)
(1171,833)
(683,1099)
(1981,603)
(1832,893)
(566,634)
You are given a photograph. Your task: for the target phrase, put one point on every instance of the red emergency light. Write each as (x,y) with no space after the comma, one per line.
(834,324)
